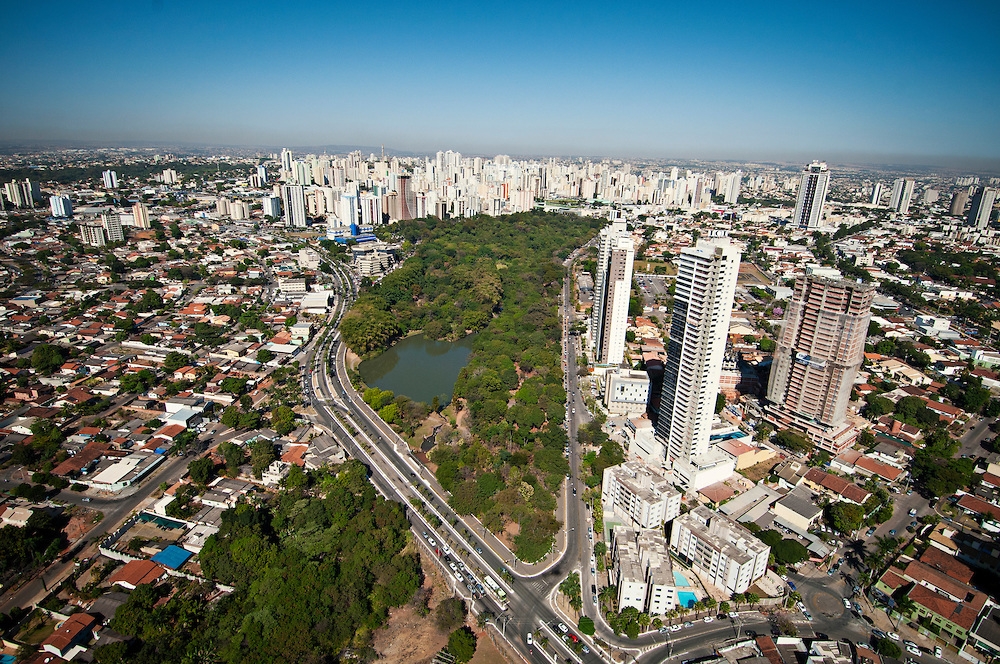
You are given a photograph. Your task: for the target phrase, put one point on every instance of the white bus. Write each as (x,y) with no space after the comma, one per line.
(495,590)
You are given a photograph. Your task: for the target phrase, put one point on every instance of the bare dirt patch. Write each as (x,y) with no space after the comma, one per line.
(758,472)
(486,652)
(81,521)
(408,637)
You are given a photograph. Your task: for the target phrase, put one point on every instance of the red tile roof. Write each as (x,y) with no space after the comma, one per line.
(137,572)
(948,564)
(75,629)
(75,464)
(963,614)
(973,504)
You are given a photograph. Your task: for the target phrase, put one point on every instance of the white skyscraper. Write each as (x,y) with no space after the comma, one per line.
(110,179)
(812,194)
(61,206)
(877,193)
(262,173)
(293,197)
(982,207)
(732,189)
(271,206)
(286,160)
(612,287)
(902,192)
(706,284)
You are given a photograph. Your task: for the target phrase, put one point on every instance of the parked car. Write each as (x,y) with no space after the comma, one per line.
(937,651)
(563,628)
(893,636)
(847,603)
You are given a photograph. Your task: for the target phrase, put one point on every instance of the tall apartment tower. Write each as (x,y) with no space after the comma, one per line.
(958,202)
(113,227)
(61,206)
(877,193)
(703,301)
(821,346)
(262,173)
(982,207)
(293,197)
(813,186)
(110,179)
(140,215)
(612,287)
(902,192)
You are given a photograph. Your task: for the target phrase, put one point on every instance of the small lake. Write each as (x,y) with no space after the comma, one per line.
(418,367)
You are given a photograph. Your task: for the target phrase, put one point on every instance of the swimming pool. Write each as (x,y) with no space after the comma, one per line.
(686,599)
(680,580)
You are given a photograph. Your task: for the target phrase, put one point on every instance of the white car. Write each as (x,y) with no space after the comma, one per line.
(893,636)
(676,628)
(847,603)
(563,628)
(528,639)
(734,614)
(913,650)
(709,619)
(430,540)
(461,579)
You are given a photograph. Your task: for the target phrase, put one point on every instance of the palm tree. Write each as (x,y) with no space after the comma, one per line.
(738,598)
(724,607)
(643,620)
(657,623)
(710,603)
(904,607)
(752,598)
(608,595)
(699,606)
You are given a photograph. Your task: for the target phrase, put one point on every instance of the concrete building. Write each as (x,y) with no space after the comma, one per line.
(110,179)
(271,206)
(877,190)
(640,495)
(293,199)
(308,259)
(626,392)
(958,202)
(705,286)
(113,227)
(813,185)
(140,216)
(374,258)
(723,552)
(61,206)
(982,207)
(613,285)
(902,194)
(641,568)
(820,349)
(92,234)
(797,511)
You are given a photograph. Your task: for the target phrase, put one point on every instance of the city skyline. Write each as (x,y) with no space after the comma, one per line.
(726,82)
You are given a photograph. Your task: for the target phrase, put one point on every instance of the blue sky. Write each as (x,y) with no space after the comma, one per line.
(741,80)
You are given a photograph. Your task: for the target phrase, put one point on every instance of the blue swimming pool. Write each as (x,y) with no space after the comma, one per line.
(686,599)
(680,580)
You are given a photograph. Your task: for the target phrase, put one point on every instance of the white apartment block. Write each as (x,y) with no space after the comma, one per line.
(626,392)
(642,571)
(723,552)
(640,495)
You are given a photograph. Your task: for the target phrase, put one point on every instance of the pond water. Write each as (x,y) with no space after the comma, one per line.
(418,367)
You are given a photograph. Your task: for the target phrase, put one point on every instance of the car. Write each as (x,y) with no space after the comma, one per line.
(664,629)
(914,524)
(870,532)
(708,619)
(453,567)
(585,650)
(807,615)
(86,500)
(461,579)
(857,607)
(893,636)
(913,650)
(528,639)
(478,550)
(847,603)
(688,623)
(784,577)
(595,600)
(424,534)
(574,638)
(892,532)
(912,512)
(878,634)
(676,628)
(430,540)
(937,651)
(791,584)
(563,628)
(734,614)
(593,570)
(911,644)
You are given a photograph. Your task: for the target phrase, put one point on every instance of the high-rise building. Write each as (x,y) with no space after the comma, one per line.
(110,179)
(902,193)
(732,189)
(301,173)
(22,194)
(140,215)
(222,206)
(703,301)
(271,206)
(293,198)
(169,176)
(286,160)
(813,185)
(958,202)
(407,201)
(641,495)
(61,206)
(877,193)
(612,288)
(819,351)
(113,227)
(724,553)
(92,234)
(262,173)
(982,207)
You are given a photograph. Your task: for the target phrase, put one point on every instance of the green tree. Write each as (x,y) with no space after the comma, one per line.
(261,456)
(586,626)
(462,644)
(233,455)
(877,406)
(449,614)
(844,517)
(264,356)
(46,358)
(201,470)
(794,441)
(720,402)
(175,360)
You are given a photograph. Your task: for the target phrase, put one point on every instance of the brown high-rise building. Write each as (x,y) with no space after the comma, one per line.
(958,202)
(820,348)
